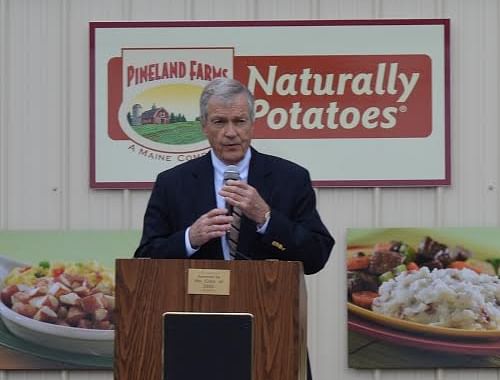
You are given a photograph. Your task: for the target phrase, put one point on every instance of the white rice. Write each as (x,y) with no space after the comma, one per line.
(454,298)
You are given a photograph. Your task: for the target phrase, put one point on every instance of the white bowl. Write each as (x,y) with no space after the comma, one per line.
(71,339)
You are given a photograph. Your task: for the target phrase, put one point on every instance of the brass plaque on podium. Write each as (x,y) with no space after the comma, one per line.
(208,281)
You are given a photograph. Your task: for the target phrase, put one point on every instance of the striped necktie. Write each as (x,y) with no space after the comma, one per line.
(234,233)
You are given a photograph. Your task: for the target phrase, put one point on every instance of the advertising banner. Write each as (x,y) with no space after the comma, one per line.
(423,297)
(57,297)
(358,103)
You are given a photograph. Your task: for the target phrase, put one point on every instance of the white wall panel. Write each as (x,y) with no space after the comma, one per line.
(158,9)
(221,9)
(31,120)
(284,9)
(44,144)
(356,9)
(4,90)
(87,208)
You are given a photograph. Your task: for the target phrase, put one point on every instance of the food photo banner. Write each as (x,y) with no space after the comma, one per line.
(423,298)
(358,103)
(57,297)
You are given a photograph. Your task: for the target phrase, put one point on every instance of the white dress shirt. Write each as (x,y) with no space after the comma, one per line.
(219,169)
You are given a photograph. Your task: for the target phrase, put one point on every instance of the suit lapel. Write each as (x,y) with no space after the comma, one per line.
(204,200)
(259,176)
(203,175)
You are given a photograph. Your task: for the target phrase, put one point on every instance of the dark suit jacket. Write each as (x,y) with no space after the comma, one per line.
(182,194)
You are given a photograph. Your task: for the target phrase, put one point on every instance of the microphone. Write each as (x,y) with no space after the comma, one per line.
(233,173)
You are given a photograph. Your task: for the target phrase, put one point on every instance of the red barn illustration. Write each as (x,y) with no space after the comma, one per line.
(156,115)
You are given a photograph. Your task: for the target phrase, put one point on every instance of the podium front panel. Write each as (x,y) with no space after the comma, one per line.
(208,346)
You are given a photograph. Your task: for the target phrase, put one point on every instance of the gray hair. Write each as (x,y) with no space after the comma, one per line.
(225,89)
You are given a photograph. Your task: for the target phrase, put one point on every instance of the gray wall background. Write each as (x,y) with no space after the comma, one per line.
(44,144)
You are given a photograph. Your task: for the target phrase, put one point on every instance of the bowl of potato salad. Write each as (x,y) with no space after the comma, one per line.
(67,306)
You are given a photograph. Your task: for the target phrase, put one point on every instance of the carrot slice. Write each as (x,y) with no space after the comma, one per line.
(358,262)
(412,266)
(457,265)
(364,298)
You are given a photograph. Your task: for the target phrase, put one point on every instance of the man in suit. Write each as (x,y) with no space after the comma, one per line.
(187,214)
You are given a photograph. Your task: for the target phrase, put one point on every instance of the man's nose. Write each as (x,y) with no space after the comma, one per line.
(230,129)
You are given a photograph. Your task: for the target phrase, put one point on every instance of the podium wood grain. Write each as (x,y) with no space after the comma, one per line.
(273,291)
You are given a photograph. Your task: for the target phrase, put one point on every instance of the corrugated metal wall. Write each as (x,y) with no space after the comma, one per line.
(44,148)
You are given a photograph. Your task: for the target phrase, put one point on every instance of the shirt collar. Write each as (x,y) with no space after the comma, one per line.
(243,165)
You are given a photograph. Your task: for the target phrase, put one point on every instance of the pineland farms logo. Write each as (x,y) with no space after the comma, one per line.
(155,95)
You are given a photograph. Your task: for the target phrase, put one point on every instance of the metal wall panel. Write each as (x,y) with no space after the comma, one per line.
(44,150)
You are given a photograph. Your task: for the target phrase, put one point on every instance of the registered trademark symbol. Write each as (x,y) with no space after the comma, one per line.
(403,108)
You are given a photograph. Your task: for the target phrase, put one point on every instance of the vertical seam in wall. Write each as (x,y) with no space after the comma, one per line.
(64,375)
(439,8)
(377,8)
(439,374)
(189,10)
(126,217)
(65,124)
(4,112)
(315,9)
(496,185)
(439,190)
(377,12)
(251,9)
(439,206)
(482,133)
(65,120)
(127,10)
(377,195)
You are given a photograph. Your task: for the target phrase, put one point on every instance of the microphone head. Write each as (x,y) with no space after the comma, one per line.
(231,172)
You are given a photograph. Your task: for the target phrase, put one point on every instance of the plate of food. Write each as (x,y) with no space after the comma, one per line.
(68,307)
(429,287)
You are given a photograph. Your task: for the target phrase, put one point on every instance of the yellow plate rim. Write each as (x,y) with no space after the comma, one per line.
(421,328)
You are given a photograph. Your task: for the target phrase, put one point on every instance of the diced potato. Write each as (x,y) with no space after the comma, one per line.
(7,293)
(93,302)
(75,314)
(70,299)
(24,309)
(45,314)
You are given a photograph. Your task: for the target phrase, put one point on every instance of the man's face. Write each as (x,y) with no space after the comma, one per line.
(228,128)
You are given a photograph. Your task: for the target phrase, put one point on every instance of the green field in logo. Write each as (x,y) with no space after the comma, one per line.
(180,133)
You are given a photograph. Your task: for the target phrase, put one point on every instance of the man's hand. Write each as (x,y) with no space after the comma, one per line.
(247,199)
(213,224)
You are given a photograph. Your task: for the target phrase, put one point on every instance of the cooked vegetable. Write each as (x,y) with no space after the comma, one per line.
(458,265)
(358,262)
(479,266)
(385,276)
(399,269)
(384,261)
(408,252)
(412,266)
(495,262)
(364,298)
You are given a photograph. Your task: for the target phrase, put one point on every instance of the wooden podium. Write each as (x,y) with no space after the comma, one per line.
(272,291)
